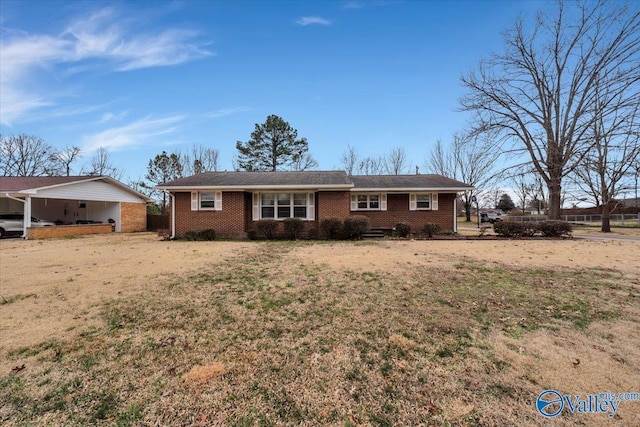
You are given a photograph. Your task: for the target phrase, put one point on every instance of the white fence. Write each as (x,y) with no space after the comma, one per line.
(629,220)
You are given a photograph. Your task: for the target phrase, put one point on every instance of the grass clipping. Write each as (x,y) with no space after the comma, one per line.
(200,376)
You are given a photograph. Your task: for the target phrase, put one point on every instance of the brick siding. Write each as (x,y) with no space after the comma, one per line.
(68,230)
(133,217)
(229,222)
(398,211)
(235,218)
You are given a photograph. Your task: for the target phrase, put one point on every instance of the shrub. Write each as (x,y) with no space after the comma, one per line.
(509,229)
(268,228)
(531,228)
(252,234)
(313,233)
(293,227)
(191,236)
(403,229)
(355,226)
(555,228)
(331,228)
(209,234)
(431,229)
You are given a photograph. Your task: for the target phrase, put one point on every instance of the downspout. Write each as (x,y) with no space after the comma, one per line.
(455,213)
(24,222)
(172,200)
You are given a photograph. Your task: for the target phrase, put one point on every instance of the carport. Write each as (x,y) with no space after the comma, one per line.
(74,201)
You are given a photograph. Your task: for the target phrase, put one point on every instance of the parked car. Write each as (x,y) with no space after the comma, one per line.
(490,218)
(13,223)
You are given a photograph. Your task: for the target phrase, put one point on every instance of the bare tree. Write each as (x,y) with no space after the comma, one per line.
(466,159)
(303,162)
(395,162)
(611,161)
(62,160)
(540,93)
(26,155)
(524,188)
(371,166)
(199,159)
(102,165)
(349,160)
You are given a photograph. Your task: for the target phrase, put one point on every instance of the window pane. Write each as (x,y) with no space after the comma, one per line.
(268,199)
(300,212)
(374,205)
(284,199)
(300,199)
(284,212)
(423,201)
(267,212)
(207,200)
(374,197)
(362,198)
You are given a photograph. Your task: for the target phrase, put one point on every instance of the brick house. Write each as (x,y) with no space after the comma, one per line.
(231,202)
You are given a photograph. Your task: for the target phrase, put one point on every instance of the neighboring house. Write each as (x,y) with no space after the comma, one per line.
(232,202)
(74,200)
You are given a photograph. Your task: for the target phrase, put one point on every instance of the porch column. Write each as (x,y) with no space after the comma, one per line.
(26,219)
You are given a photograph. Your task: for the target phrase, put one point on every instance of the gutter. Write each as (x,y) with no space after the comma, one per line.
(172,200)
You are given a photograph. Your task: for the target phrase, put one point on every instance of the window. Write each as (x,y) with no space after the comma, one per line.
(207,200)
(423,201)
(366,202)
(283,205)
(268,206)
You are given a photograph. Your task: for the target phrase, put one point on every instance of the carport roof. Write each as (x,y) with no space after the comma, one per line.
(25,185)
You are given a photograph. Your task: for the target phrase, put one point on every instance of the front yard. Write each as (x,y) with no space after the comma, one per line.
(126,330)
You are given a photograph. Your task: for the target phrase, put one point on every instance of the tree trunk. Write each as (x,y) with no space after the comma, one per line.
(606,218)
(467,210)
(555,196)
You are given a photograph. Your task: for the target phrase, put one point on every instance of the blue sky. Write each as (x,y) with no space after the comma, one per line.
(142,77)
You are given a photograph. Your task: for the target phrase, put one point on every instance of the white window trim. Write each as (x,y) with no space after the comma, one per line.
(200,208)
(382,201)
(309,205)
(413,201)
(196,201)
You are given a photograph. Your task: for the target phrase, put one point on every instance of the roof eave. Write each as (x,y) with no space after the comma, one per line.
(413,189)
(346,187)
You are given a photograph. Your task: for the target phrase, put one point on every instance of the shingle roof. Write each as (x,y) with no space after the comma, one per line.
(407,182)
(19,183)
(317,179)
(263,179)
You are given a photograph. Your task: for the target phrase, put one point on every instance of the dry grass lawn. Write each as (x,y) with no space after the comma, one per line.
(127,330)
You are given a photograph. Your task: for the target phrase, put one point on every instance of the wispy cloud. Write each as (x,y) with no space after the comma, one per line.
(312,20)
(138,133)
(226,112)
(109,116)
(353,5)
(103,39)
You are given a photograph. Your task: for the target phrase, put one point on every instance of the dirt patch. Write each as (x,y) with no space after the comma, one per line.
(50,287)
(553,254)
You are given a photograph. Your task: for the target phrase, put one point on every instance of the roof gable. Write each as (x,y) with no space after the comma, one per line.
(46,186)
